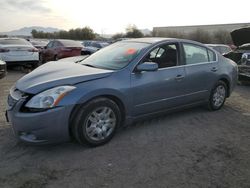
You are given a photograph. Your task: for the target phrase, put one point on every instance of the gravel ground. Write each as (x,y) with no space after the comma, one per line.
(191,148)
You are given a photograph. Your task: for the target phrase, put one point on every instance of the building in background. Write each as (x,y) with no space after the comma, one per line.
(159,31)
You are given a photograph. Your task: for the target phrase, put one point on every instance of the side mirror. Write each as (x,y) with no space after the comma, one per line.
(147,66)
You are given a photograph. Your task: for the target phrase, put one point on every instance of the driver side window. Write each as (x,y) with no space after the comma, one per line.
(165,56)
(50,44)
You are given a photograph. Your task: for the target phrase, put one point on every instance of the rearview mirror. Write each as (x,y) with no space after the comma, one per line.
(147,66)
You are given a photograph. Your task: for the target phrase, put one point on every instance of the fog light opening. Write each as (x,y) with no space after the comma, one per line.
(27,136)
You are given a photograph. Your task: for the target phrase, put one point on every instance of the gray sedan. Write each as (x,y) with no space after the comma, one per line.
(89,99)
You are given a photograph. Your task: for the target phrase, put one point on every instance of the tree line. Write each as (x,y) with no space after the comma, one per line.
(86,33)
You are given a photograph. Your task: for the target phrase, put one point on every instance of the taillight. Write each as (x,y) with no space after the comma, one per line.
(33,50)
(2,50)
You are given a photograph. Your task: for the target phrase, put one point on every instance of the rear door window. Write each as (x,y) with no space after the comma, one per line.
(195,54)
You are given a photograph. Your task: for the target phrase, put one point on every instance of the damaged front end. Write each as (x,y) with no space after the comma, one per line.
(241,55)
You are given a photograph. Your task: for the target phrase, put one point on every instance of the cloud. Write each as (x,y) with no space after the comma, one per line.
(25,5)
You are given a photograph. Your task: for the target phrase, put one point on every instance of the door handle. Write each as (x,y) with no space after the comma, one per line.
(214,69)
(179,77)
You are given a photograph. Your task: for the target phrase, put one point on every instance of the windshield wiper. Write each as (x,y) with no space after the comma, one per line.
(89,65)
(82,59)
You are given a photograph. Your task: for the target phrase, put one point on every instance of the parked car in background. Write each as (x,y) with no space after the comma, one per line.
(221,48)
(3,69)
(86,43)
(90,47)
(241,40)
(18,51)
(58,49)
(121,39)
(39,44)
(127,80)
(241,55)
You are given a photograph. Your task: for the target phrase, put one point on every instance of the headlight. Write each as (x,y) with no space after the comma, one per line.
(49,98)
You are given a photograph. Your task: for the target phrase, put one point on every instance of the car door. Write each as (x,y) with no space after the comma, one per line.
(200,68)
(161,89)
(57,50)
(48,54)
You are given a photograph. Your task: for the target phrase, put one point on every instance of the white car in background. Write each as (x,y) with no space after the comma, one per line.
(3,69)
(18,51)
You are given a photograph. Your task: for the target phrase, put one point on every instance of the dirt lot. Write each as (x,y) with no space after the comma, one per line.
(192,148)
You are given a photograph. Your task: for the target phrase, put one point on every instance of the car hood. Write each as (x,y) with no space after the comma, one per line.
(54,74)
(241,36)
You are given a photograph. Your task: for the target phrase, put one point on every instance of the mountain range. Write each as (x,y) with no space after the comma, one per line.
(26,31)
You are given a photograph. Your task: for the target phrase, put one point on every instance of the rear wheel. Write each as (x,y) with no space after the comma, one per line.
(96,122)
(56,58)
(218,96)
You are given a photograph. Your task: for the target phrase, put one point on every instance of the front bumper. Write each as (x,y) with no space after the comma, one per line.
(51,126)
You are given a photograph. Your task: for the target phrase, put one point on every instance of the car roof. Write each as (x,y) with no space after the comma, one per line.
(224,45)
(152,40)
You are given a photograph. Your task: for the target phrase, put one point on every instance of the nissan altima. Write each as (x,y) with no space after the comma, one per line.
(89,99)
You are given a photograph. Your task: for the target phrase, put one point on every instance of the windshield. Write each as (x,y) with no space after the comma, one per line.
(104,44)
(39,43)
(70,43)
(115,56)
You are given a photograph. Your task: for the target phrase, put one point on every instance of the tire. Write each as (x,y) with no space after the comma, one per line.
(96,122)
(56,58)
(218,96)
(41,60)
(35,65)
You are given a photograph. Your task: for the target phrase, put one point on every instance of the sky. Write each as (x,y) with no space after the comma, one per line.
(113,16)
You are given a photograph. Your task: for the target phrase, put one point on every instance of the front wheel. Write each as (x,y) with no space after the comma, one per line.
(218,96)
(41,59)
(96,122)
(35,65)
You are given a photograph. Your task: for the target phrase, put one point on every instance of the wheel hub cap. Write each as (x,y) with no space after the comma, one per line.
(100,123)
(219,96)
